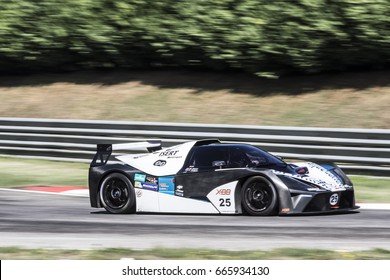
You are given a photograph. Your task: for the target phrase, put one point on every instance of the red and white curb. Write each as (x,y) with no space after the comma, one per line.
(64,190)
(84,192)
(56,190)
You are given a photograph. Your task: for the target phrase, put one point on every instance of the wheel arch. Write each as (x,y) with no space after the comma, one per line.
(117,193)
(122,170)
(283,194)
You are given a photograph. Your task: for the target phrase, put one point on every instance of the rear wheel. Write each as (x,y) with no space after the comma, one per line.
(259,197)
(117,194)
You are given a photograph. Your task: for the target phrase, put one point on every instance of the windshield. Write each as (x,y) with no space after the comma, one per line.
(254,157)
(231,156)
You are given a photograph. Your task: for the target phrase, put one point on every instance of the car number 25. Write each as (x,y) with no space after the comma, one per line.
(225,202)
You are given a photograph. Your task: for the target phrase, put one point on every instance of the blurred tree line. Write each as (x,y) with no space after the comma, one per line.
(258,36)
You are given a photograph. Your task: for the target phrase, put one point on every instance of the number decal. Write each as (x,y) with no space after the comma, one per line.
(225,202)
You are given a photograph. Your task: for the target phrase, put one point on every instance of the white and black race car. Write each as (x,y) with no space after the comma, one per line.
(208,176)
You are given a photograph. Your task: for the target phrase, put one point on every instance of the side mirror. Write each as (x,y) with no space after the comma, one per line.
(219,163)
(301,170)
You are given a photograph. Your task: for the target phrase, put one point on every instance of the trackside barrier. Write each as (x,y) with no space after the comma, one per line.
(357,151)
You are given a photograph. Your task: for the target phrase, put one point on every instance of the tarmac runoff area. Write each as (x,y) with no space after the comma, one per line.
(83,192)
(61,218)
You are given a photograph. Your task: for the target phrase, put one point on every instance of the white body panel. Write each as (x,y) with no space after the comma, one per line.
(223,198)
(147,201)
(164,162)
(176,204)
(319,176)
(151,201)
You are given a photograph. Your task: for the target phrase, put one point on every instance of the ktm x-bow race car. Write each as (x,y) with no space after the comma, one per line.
(208,176)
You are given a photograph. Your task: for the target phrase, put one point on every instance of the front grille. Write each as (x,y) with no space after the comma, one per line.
(320,202)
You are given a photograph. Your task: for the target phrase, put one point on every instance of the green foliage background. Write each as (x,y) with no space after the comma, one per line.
(258,36)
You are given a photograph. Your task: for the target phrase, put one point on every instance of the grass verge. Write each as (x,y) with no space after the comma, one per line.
(191,254)
(329,100)
(372,189)
(16,172)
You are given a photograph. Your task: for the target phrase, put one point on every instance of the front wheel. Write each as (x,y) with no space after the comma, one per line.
(259,197)
(117,194)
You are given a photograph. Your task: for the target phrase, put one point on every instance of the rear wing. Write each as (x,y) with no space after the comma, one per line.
(104,151)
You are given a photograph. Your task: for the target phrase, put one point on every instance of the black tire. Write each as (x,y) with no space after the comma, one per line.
(117,194)
(259,197)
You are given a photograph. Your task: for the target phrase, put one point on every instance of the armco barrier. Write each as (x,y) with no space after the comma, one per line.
(358,151)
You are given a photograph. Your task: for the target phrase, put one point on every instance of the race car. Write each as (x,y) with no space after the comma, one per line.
(211,177)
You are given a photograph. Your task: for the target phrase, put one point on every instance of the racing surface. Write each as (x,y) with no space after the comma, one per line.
(41,220)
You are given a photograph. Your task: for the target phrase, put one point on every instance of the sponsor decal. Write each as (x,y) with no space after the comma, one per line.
(137,184)
(285,210)
(160,163)
(316,181)
(327,172)
(140,156)
(191,169)
(150,179)
(334,199)
(223,191)
(139,177)
(167,184)
(168,153)
(150,186)
(179,191)
(138,193)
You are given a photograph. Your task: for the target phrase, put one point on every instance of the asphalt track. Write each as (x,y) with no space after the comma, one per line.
(41,220)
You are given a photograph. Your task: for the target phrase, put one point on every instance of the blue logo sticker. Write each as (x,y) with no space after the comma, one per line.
(139,177)
(167,185)
(149,186)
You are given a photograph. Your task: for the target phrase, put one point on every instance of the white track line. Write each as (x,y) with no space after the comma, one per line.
(374,206)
